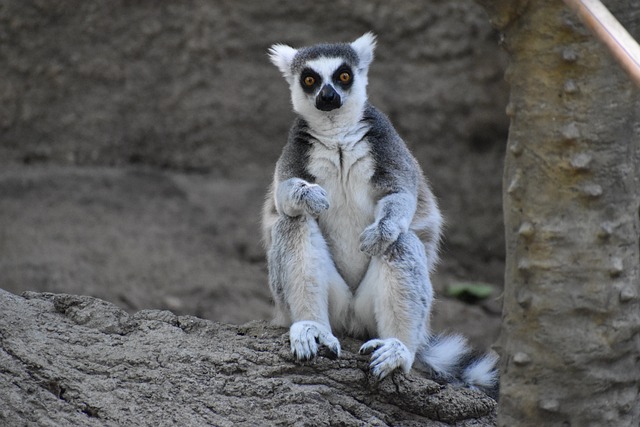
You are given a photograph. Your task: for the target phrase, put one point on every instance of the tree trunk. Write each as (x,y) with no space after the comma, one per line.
(80,361)
(570,339)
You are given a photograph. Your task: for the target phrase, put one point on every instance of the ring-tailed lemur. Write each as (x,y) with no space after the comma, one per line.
(351,226)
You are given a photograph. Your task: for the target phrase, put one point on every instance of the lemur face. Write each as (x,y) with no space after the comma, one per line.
(327,80)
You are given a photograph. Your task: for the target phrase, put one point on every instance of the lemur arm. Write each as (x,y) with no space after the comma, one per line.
(394,213)
(296,196)
(295,191)
(396,178)
(397,208)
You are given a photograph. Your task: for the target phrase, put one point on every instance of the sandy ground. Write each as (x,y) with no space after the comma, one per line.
(148,238)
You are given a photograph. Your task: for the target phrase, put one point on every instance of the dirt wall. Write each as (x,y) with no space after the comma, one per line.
(187,88)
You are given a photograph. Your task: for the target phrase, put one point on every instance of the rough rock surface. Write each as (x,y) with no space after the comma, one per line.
(77,360)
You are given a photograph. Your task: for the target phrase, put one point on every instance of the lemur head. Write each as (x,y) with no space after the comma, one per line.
(327,80)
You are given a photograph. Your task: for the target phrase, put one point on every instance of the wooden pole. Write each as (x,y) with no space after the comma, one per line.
(607,28)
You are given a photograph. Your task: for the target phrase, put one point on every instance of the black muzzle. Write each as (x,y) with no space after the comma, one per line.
(328,99)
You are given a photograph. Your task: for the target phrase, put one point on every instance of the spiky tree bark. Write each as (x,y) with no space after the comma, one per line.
(570,341)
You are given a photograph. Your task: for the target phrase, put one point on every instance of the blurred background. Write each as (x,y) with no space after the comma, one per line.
(137,139)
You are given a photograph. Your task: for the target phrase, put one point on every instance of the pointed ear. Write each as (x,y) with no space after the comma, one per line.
(364,47)
(282,56)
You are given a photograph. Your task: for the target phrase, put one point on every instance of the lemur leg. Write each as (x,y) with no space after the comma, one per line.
(304,281)
(397,285)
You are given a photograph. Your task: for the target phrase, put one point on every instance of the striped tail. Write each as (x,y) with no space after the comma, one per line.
(450,359)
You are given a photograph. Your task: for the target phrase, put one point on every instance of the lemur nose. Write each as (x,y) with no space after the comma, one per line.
(328,99)
(328,93)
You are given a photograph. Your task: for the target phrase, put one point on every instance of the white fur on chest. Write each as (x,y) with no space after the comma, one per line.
(344,170)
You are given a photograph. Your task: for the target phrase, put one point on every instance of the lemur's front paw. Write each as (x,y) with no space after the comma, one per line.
(388,355)
(376,238)
(313,198)
(305,336)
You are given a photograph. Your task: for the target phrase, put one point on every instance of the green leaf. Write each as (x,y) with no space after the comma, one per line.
(470,292)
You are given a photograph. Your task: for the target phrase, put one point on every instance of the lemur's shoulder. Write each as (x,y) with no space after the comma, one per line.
(294,158)
(395,165)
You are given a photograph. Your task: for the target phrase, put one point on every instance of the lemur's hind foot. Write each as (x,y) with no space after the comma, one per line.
(387,355)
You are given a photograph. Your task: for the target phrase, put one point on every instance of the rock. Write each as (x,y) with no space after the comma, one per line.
(77,360)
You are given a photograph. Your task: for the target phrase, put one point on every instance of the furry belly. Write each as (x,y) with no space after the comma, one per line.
(345,174)
(341,226)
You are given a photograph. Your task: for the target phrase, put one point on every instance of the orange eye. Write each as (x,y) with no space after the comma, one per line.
(309,81)
(345,77)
